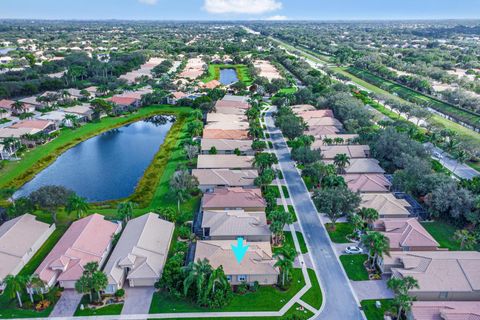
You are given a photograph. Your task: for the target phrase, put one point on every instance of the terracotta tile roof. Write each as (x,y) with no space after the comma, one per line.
(235,223)
(352,151)
(226,145)
(405,233)
(85,241)
(445,310)
(367,182)
(368,165)
(225,134)
(386,204)
(231,104)
(6,104)
(225,177)
(34,124)
(224,161)
(234,198)
(123,101)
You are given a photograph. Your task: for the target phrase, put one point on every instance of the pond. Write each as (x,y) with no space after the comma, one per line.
(107,166)
(228,76)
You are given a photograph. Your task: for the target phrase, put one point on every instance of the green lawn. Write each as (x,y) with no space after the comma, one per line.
(314,295)
(110,310)
(267,298)
(285,192)
(242,72)
(295,312)
(443,233)
(353,265)
(274,189)
(301,241)
(288,90)
(372,312)
(342,230)
(9,307)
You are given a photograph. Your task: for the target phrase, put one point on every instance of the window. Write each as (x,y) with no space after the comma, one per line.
(242,278)
(443,295)
(229,278)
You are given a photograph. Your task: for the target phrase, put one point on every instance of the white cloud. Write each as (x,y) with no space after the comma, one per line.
(150,2)
(242,6)
(277,18)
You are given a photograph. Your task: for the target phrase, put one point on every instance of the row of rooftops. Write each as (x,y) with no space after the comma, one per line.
(441,274)
(237,208)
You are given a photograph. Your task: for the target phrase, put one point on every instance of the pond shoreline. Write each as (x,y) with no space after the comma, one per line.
(22,178)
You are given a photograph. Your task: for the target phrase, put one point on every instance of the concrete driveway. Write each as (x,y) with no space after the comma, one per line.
(374,289)
(67,304)
(339,298)
(137,300)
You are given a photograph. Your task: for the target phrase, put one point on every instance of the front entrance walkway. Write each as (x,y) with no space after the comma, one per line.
(137,300)
(67,304)
(372,289)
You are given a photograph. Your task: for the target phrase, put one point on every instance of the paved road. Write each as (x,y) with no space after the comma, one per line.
(339,300)
(459,169)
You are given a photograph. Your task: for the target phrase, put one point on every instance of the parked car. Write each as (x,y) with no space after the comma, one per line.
(437,155)
(353,250)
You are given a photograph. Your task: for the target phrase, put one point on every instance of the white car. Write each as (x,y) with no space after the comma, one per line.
(437,155)
(353,250)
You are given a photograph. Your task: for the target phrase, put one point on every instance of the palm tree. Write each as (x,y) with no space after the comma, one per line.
(285,258)
(35,284)
(217,277)
(377,245)
(327,141)
(357,221)
(460,156)
(77,204)
(197,272)
(182,184)
(369,215)
(341,161)
(401,287)
(18,107)
(73,119)
(125,210)
(15,284)
(11,143)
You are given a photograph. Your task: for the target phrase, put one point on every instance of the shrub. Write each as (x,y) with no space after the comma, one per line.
(120,293)
(242,288)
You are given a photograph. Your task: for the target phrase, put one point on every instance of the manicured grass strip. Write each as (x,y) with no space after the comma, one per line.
(109,310)
(266,298)
(314,295)
(443,233)
(17,173)
(372,312)
(285,192)
(288,90)
(353,265)
(291,209)
(294,313)
(274,190)
(342,230)
(301,241)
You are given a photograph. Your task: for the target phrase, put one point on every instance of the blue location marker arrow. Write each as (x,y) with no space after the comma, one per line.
(240,250)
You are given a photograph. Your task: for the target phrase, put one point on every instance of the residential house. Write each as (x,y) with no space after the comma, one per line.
(362,166)
(234,198)
(209,179)
(230,111)
(231,224)
(227,146)
(352,151)
(75,94)
(224,161)
(45,126)
(140,254)
(220,117)
(20,239)
(6,106)
(30,104)
(325,121)
(93,91)
(367,182)
(406,234)
(173,97)
(317,131)
(258,265)
(313,114)
(299,108)
(387,205)
(444,310)
(227,125)
(123,104)
(441,275)
(56,116)
(83,112)
(225,134)
(86,240)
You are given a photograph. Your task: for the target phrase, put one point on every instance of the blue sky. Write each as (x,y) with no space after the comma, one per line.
(240,9)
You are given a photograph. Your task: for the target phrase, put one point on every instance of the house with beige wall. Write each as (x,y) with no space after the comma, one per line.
(441,275)
(224,161)
(387,205)
(140,254)
(210,179)
(257,265)
(234,198)
(227,146)
(20,239)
